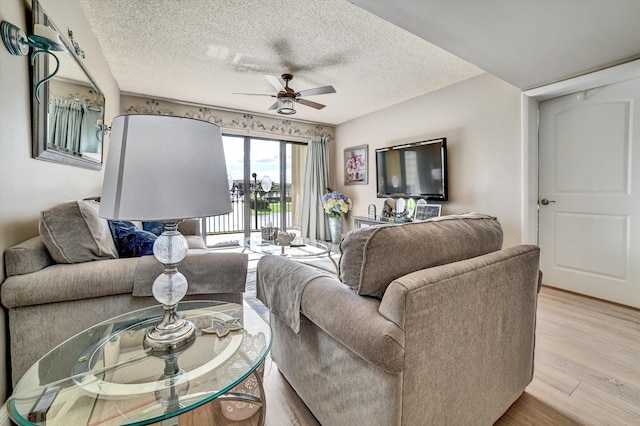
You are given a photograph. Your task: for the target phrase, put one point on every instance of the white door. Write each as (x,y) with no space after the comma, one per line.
(589,160)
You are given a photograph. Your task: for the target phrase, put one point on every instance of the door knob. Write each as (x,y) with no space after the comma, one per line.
(544,201)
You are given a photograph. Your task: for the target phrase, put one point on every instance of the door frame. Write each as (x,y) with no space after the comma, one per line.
(248,180)
(529,143)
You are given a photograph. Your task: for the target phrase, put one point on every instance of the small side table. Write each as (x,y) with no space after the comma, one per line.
(104,376)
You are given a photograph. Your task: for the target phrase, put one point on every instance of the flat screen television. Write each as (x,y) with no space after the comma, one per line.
(413,170)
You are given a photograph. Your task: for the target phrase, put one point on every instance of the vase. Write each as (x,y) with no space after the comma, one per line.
(335,229)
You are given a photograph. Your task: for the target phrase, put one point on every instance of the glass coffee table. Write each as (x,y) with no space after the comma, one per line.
(308,248)
(104,376)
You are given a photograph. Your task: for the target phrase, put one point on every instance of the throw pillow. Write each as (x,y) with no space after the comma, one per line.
(131,241)
(73,233)
(155,228)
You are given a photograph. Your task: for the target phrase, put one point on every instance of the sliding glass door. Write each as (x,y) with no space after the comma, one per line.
(266,178)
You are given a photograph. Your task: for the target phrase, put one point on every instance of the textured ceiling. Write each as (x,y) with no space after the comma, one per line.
(202,51)
(528,43)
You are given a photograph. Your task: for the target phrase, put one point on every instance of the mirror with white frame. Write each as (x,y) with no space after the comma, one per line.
(68,118)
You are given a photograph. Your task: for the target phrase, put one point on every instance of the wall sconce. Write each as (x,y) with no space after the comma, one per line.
(101,130)
(44,40)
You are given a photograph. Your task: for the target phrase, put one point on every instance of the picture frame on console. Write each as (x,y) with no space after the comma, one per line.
(356,165)
(427,211)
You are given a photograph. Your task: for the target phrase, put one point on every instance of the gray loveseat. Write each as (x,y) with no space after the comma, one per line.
(50,300)
(428,323)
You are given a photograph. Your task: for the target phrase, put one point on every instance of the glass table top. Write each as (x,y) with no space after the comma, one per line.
(308,248)
(104,376)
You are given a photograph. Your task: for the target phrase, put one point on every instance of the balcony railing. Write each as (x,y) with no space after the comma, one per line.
(267,214)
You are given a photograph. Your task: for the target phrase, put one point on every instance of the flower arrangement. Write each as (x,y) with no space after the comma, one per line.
(335,204)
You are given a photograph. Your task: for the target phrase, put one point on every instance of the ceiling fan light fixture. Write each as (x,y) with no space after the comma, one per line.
(286,106)
(287,97)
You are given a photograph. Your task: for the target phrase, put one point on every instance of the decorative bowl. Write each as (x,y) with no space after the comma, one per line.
(284,238)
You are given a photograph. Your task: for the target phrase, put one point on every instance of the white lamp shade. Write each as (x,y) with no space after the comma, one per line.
(162,168)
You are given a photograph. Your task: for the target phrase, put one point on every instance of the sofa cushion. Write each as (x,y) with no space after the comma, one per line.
(196,242)
(73,233)
(372,257)
(131,241)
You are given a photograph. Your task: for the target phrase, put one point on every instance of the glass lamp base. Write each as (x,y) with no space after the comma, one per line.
(172,333)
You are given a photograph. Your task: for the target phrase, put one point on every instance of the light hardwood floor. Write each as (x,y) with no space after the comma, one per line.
(587,364)
(587,369)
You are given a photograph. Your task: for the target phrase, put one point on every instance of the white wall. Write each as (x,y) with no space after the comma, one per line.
(28,186)
(480,118)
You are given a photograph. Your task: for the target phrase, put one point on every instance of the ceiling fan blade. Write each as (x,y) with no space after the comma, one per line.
(310,104)
(275,82)
(317,91)
(254,94)
(274,106)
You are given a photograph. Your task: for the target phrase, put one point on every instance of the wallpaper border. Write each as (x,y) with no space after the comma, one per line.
(233,122)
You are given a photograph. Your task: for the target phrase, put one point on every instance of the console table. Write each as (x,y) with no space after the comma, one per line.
(363,221)
(104,376)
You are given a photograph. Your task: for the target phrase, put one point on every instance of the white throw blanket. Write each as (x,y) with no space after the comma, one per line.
(280,283)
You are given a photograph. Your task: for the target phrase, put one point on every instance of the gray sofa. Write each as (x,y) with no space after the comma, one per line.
(48,301)
(427,323)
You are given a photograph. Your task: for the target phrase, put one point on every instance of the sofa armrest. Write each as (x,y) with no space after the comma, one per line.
(190,227)
(64,282)
(401,293)
(352,320)
(27,257)
(469,325)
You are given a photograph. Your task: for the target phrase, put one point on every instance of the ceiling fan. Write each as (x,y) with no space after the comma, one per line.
(287,97)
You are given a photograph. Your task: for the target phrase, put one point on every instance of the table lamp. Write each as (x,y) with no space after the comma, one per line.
(165,169)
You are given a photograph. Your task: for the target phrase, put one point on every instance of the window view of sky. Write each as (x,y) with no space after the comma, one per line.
(265,158)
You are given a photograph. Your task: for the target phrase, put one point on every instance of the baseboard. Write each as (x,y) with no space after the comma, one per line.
(4,416)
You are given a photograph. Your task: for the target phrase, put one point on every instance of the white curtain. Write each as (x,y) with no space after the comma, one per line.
(316,182)
(65,119)
(90,141)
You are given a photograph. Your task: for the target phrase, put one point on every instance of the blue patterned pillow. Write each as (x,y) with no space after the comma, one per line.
(155,228)
(130,240)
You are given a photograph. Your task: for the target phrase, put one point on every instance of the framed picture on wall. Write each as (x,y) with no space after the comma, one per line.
(356,165)
(427,211)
